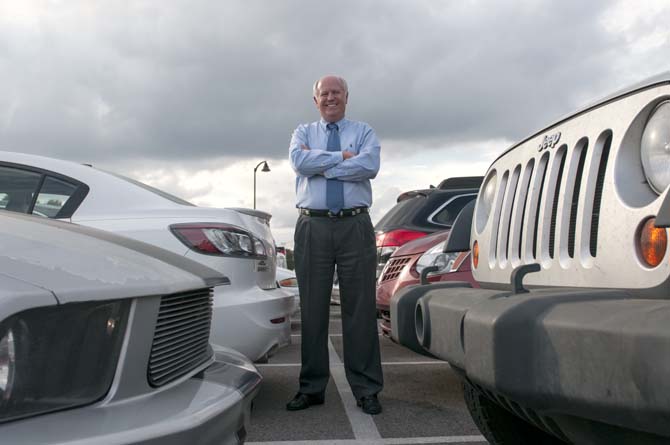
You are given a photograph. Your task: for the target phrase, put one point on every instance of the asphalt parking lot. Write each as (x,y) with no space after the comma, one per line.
(422,401)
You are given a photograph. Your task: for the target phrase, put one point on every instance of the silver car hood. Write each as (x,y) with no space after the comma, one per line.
(77,263)
(17,295)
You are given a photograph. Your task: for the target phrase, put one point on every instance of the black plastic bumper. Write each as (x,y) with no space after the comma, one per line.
(565,353)
(402,306)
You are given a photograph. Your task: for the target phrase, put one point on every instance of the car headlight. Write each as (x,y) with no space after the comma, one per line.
(220,239)
(59,357)
(436,257)
(655,148)
(485,201)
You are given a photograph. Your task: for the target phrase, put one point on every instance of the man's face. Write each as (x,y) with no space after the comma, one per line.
(331,99)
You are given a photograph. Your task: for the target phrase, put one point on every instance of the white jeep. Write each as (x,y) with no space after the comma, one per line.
(568,339)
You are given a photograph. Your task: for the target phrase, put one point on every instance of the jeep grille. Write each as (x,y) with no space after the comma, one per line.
(561,174)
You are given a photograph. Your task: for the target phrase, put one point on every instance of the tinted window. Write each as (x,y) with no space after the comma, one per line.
(401,211)
(52,197)
(447,214)
(17,189)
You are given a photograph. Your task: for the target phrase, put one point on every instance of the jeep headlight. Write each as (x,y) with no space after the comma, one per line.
(58,357)
(655,148)
(485,201)
(436,257)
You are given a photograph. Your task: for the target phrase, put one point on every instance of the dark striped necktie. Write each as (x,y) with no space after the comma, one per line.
(334,187)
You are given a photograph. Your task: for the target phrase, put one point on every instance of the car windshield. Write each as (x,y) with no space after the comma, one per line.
(160,193)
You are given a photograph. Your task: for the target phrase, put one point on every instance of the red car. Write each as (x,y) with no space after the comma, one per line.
(405,264)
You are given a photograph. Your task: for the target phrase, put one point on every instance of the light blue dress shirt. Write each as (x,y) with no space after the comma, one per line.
(313,166)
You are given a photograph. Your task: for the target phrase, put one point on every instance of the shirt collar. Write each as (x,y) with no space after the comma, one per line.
(340,124)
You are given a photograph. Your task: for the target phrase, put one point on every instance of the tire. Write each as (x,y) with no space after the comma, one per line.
(498,425)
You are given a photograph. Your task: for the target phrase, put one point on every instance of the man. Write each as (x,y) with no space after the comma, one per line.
(334,160)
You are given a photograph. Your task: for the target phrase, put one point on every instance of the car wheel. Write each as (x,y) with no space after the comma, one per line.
(498,425)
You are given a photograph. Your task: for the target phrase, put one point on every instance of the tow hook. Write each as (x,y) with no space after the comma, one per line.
(519,273)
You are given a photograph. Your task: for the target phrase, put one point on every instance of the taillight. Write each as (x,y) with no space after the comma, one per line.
(387,243)
(397,237)
(289,282)
(652,243)
(219,239)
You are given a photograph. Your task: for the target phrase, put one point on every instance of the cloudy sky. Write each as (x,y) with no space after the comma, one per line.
(190,95)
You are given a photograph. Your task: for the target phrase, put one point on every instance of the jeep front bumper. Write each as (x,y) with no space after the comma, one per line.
(595,355)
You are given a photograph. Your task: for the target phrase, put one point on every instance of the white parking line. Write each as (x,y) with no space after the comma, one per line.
(275,365)
(330,335)
(362,425)
(432,362)
(279,365)
(387,441)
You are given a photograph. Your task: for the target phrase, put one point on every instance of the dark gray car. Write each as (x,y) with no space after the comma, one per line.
(105,340)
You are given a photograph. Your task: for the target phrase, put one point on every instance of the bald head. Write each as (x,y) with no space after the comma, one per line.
(330,96)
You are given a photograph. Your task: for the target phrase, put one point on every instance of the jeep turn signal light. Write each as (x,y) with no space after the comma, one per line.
(653,242)
(475,254)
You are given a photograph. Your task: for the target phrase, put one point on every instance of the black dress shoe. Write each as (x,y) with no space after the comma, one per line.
(304,401)
(370,404)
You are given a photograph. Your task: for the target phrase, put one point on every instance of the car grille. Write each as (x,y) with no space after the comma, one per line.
(394,267)
(181,338)
(557,176)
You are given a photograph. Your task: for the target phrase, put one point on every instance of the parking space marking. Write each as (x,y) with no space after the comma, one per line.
(362,425)
(275,365)
(279,365)
(388,441)
(431,362)
(330,335)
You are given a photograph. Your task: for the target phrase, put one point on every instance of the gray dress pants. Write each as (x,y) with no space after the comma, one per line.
(320,244)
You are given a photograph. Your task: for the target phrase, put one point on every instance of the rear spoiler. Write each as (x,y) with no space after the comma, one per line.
(461,182)
(252,212)
(412,194)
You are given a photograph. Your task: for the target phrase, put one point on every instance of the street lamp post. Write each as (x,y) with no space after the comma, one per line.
(264,169)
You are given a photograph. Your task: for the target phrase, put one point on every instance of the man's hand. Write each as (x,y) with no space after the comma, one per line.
(304,147)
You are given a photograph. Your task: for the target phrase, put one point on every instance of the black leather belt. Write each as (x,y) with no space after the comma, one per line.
(341,214)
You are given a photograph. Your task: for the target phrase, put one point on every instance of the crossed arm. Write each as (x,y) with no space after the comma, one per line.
(344,165)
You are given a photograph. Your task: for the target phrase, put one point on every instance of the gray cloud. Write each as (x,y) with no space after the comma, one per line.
(192,80)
